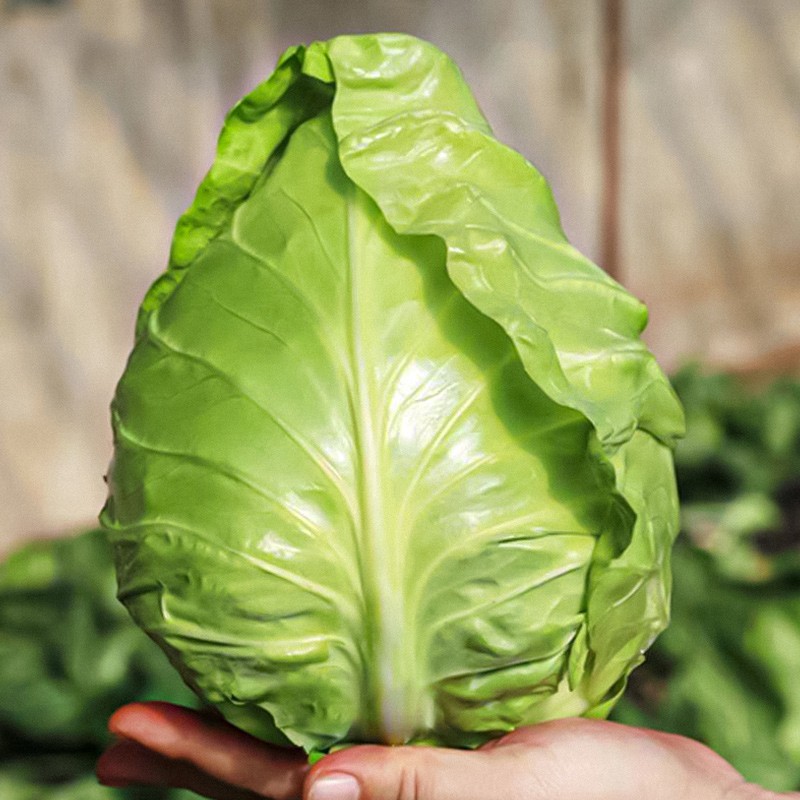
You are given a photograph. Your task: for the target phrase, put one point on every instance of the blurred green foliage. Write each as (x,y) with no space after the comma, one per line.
(727,670)
(69,656)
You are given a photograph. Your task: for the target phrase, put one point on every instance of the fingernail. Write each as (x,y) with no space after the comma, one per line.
(335,786)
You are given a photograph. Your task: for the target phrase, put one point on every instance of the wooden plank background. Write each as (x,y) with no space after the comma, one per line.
(109,111)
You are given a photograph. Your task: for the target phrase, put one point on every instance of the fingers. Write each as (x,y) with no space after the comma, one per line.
(212,747)
(426,773)
(126,763)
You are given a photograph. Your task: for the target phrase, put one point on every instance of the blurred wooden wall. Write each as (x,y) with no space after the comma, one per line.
(109,111)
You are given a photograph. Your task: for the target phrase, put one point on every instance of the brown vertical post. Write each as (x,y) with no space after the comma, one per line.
(613,13)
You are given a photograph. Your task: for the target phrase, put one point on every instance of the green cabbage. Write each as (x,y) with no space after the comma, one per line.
(391,462)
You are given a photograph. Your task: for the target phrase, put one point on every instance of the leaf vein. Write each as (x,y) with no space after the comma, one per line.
(497,600)
(285,510)
(314,455)
(329,595)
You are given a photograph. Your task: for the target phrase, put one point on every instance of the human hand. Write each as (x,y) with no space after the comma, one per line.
(571,759)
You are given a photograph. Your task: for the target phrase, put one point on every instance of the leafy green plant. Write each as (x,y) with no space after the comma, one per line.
(725,672)
(69,777)
(391,461)
(69,657)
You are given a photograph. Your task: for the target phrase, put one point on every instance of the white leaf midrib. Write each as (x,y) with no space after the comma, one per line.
(391,709)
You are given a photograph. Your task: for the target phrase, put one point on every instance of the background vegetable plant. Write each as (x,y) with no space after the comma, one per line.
(69,657)
(725,671)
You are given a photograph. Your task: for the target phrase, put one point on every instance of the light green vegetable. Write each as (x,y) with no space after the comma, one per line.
(391,462)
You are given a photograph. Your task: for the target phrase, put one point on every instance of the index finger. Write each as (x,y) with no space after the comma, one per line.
(215,747)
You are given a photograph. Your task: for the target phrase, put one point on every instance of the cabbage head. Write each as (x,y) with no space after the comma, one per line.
(391,461)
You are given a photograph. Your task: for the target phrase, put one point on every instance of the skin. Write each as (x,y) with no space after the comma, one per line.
(572,759)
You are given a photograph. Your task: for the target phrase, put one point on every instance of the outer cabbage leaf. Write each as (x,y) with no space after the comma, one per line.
(391,463)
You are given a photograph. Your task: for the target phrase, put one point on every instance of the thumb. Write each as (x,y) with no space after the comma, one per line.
(372,772)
